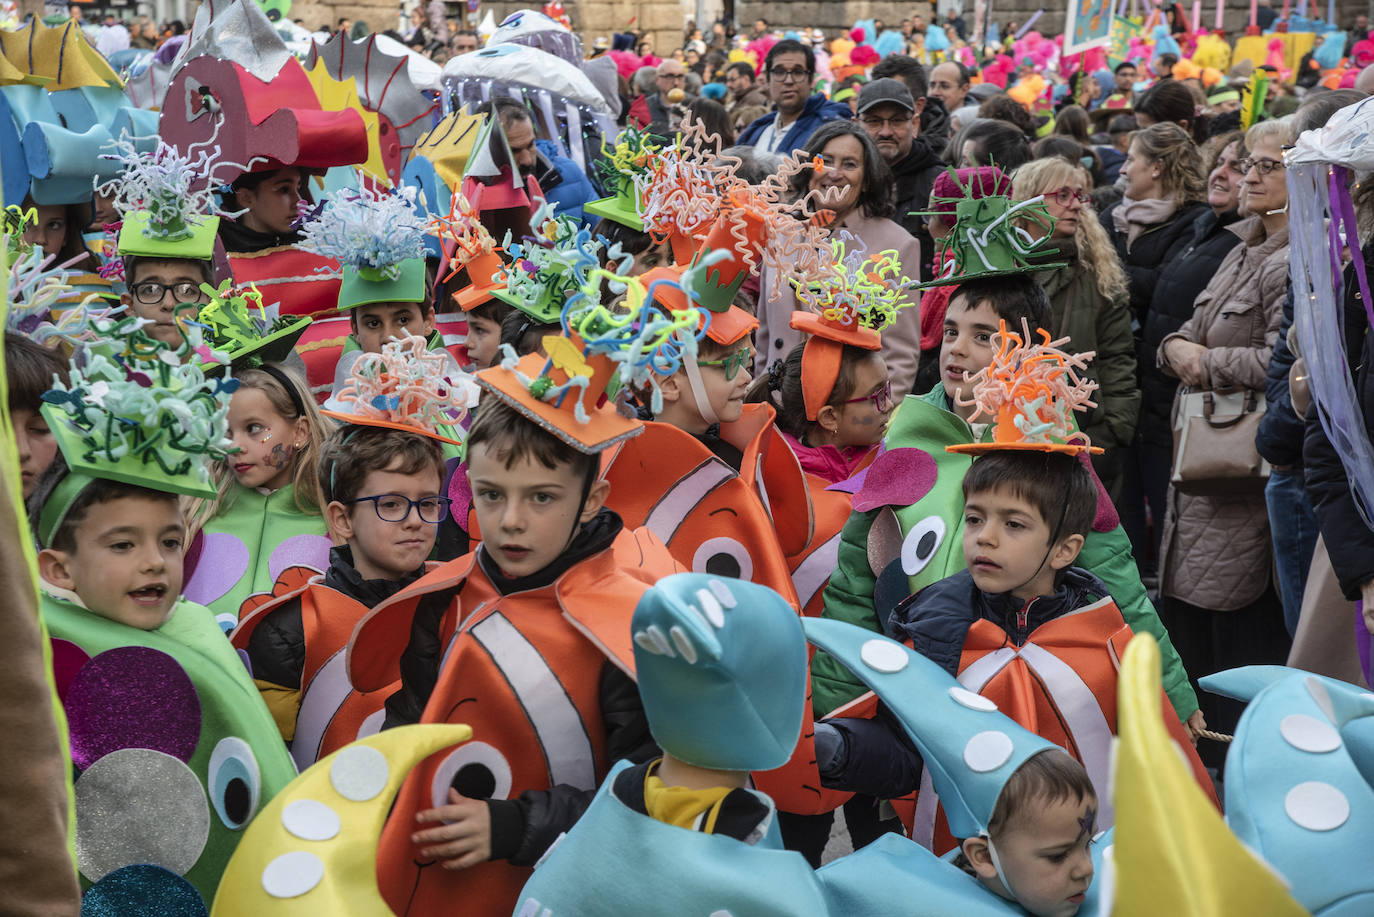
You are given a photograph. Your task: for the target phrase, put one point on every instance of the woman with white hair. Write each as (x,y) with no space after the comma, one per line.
(1215,572)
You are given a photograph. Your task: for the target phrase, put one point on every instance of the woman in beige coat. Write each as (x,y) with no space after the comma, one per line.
(1215,574)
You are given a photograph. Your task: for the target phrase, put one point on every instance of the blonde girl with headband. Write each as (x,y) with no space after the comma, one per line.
(266,519)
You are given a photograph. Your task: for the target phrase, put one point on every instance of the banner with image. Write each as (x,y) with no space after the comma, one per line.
(1088,24)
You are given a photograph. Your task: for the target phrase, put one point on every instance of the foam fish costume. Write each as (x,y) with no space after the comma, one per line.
(505,661)
(175,751)
(1061,682)
(713,702)
(906,531)
(1298,787)
(1173,853)
(313,849)
(969,748)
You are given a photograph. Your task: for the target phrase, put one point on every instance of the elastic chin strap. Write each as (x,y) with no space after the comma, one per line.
(997,865)
(587,483)
(698,388)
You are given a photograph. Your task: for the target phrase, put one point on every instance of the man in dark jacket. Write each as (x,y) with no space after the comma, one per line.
(743,88)
(888,113)
(790,69)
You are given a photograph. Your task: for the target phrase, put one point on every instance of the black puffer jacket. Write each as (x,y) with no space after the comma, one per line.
(1174,284)
(914,177)
(1154,246)
(1281,431)
(1349,541)
(276,648)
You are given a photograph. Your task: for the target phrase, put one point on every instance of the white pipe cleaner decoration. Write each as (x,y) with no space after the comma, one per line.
(371,230)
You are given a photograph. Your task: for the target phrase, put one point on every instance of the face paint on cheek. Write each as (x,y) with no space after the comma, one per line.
(278,457)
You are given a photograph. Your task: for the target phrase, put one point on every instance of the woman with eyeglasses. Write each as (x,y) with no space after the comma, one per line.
(855,185)
(1089,297)
(1215,559)
(1183,276)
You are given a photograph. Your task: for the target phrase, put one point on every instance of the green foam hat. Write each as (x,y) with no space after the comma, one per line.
(136,411)
(366,285)
(237,325)
(192,238)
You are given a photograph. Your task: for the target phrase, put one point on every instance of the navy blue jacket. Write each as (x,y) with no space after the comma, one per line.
(818,110)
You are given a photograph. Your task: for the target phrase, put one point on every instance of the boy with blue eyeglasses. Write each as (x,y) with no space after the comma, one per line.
(381,472)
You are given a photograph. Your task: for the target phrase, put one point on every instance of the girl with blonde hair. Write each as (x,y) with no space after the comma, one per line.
(266,518)
(1089,296)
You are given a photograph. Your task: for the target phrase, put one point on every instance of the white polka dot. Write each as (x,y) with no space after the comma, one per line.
(1320,697)
(966,698)
(292,874)
(1307,733)
(310,820)
(710,607)
(1316,806)
(359,773)
(988,751)
(723,593)
(883,656)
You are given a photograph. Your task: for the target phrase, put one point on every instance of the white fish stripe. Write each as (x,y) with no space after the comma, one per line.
(813,573)
(557,723)
(1084,718)
(673,507)
(320,702)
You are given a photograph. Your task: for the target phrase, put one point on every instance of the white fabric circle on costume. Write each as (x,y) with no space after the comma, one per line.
(883,656)
(1307,733)
(988,751)
(359,773)
(310,820)
(966,698)
(292,874)
(1316,806)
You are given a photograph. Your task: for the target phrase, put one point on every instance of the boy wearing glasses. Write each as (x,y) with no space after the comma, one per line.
(381,474)
(156,286)
(383,514)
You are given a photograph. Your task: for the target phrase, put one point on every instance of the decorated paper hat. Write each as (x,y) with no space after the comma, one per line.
(405,387)
(711,698)
(969,748)
(137,411)
(237,325)
(623,170)
(568,392)
(378,235)
(679,195)
(986,240)
(851,307)
(1030,392)
(467,245)
(164,216)
(548,268)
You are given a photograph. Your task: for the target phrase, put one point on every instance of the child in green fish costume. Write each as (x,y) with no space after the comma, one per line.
(173,748)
